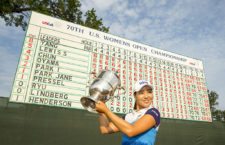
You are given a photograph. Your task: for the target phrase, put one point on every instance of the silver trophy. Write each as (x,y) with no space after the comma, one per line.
(101,89)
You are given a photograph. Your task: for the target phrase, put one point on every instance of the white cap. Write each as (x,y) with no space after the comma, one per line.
(140,84)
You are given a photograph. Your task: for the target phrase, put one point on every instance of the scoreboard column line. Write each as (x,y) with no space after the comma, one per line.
(32,63)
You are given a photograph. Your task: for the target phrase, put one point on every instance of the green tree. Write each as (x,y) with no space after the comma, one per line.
(223,116)
(213,96)
(93,22)
(15,12)
(218,115)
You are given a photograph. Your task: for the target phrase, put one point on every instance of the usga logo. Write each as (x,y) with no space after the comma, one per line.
(143,82)
(191,63)
(47,23)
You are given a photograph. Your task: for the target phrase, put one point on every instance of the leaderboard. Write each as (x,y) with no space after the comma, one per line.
(60,59)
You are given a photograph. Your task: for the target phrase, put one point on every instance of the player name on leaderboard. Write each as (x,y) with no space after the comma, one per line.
(58,58)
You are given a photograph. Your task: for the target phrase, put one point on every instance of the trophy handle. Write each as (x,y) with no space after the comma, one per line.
(91,79)
(123,92)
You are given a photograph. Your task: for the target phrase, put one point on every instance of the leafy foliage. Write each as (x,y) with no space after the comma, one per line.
(213,96)
(93,22)
(16,12)
(218,115)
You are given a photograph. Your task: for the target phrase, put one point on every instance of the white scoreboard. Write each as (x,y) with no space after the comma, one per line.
(58,57)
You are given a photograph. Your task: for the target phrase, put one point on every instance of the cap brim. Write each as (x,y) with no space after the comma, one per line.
(142,87)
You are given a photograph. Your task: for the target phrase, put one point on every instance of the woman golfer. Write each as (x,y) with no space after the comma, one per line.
(138,127)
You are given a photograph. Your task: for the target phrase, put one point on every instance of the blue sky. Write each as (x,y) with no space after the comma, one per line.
(194,28)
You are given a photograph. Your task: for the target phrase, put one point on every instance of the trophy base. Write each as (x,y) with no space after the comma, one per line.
(88,104)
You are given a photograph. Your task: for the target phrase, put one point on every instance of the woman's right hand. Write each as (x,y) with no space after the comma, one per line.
(101,107)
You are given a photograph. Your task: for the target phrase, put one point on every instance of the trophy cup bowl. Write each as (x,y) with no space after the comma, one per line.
(101,89)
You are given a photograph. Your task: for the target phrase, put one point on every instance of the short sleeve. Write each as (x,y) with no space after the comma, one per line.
(156,115)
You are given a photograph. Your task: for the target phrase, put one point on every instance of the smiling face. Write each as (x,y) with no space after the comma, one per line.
(144,97)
